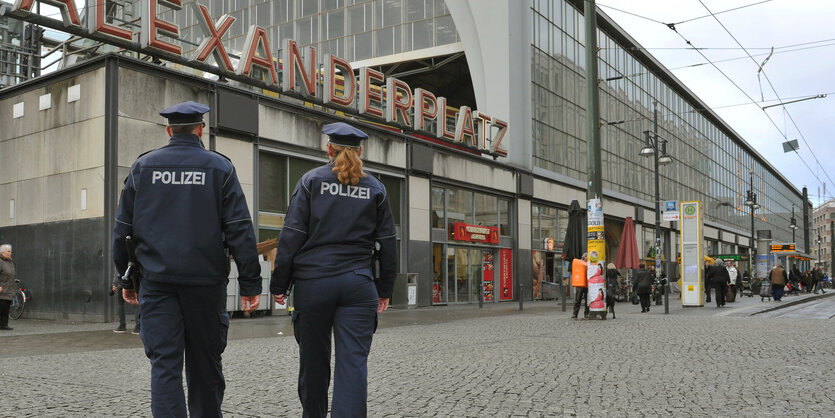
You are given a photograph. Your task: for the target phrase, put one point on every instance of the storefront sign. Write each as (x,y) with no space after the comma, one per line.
(476,233)
(298,74)
(691,254)
(782,248)
(506,274)
(671,212)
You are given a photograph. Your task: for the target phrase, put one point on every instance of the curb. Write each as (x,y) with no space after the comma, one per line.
(796,302)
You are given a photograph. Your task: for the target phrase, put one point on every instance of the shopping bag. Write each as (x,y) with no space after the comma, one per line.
(635,299)
(765,289)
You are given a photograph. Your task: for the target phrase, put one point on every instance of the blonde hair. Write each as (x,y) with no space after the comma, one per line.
(347,165)
(611,266)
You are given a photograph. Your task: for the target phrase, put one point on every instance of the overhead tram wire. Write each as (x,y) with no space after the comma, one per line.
(673,28)
(773,89)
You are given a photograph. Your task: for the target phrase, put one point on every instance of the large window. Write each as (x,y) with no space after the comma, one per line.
(451,205)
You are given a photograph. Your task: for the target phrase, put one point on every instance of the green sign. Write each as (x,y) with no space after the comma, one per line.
(727,257)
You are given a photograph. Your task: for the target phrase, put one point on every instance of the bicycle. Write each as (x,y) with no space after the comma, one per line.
(22,295)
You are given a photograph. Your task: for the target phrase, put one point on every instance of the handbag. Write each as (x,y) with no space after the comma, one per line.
(635,299)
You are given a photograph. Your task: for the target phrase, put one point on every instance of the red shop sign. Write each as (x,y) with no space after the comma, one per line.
(475,233)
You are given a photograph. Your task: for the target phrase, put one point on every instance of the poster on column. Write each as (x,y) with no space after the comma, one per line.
(597,256)
(506,274)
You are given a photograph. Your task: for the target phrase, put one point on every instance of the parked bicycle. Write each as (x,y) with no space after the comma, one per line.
(22,295)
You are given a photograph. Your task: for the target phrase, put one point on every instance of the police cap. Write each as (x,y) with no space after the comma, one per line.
(345,135)
(186,113)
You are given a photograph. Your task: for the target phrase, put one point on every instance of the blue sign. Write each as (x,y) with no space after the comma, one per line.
(672,206)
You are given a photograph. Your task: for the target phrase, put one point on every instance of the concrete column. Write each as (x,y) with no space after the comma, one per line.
(762,265)
(523,262)
(419,243)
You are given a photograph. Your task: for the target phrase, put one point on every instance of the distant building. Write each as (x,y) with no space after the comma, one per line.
(822,224)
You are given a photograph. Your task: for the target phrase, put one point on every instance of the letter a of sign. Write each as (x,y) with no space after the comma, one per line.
(97,23)
(211,43)
(256,37)
(69,13)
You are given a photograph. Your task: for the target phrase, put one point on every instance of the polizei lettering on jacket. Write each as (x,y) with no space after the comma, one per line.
(179,177)
(339,189)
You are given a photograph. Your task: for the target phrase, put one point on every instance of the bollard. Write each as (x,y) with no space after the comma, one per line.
(521,304)
(562,293)
(667,297)
(480,291)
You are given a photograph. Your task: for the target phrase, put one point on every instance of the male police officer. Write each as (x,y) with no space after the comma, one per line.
(336,215)
(181,203)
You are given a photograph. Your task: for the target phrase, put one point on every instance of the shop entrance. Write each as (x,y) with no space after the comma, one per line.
(466,269)
(463,273)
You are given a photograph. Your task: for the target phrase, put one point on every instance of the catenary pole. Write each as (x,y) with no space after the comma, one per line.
(595,185)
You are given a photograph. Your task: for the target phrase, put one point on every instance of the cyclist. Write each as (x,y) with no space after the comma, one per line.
(7,287)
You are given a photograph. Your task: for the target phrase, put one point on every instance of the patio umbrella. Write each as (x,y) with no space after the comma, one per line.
(574,240)
(628,249)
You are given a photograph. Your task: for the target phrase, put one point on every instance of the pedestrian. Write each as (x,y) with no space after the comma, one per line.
(7,287)
(733,275)
(612,277)
(116,288)
(806,279)
(642,283)
(183,205)
(706,280)
(719,279)
(795,279)
(818,280)
(778,279)
(581,292)
(337,216)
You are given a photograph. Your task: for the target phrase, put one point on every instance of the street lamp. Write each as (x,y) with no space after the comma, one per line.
(751,201)
(793,224)
(657,147)
(818,241)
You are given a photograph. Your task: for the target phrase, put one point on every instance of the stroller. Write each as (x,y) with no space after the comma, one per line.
(746,289)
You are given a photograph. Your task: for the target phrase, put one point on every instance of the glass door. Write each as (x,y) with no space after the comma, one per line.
(465,267)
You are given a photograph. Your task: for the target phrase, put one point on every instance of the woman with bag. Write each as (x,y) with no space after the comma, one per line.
(643,286)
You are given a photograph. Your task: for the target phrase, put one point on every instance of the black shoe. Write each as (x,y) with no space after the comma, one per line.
(120,330)
(573,316)
(135,330)
(647,308)
(6,328)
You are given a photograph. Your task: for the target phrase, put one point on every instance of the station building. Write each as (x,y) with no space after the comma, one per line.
(474,219)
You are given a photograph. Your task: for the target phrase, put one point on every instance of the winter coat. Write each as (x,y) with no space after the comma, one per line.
(7,275)
(642,282)
(718,274)
(778,276)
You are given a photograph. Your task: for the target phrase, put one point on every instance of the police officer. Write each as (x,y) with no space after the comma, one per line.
(179,203)
(336,214)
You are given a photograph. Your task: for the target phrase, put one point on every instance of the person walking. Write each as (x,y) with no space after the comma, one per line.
(719,279)
(337,216)
(777,277)
(116,288)
(581,292)
(706,280)
(642,283)
(735,279)
(818,280)
(183,205)
(7,287)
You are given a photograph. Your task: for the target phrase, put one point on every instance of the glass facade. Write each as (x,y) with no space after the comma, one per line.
(709,164)
(351,29)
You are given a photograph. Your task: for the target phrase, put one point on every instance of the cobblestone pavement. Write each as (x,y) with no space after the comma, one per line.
(462,362)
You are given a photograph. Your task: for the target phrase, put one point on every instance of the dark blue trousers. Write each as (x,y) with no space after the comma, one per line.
(191,320)
(346,306)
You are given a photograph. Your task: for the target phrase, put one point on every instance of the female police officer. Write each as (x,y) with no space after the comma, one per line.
(336,214)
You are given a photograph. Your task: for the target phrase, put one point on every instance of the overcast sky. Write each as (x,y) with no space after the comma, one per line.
(803,36)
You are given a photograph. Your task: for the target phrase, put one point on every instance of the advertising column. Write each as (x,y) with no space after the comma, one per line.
(691,254)
(597,256)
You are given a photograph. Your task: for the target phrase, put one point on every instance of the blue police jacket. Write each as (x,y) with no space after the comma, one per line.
(330,229)
(179,203)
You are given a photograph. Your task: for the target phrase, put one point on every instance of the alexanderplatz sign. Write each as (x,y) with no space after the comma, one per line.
(300,76)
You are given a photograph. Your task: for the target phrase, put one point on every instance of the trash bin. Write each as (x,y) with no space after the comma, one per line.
(411,284)
(550,291)
(400,293)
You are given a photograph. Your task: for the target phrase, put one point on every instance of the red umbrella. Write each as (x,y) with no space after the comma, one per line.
(628,250)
